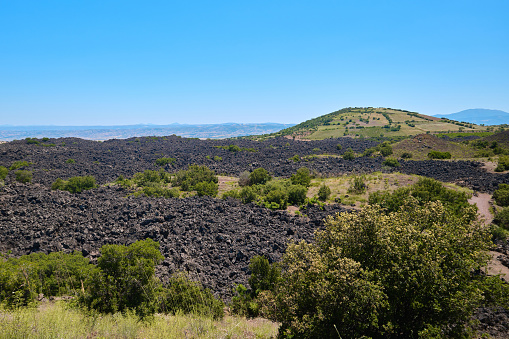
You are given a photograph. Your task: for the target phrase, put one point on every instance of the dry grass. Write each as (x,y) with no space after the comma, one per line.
(376,181)
(57,321)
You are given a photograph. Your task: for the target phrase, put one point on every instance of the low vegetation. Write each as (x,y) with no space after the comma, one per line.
(74,184)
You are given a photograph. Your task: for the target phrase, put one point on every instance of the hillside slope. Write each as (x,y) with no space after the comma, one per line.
(372,122)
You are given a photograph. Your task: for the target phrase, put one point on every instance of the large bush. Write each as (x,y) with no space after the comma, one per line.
(125,279)
(183,295)
(259,176)
(404,274)
(301,177)
(501,195)
(187,179)
(425,190)
(23,176)
(439,155)
(74,184)
(23,279)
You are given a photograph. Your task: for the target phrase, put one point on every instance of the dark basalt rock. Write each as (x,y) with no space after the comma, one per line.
(210,238)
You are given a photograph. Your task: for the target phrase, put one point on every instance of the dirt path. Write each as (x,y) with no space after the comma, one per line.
(482,200)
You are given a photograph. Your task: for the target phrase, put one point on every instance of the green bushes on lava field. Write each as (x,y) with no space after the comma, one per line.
(123,279)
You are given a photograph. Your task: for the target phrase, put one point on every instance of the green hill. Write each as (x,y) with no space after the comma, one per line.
(373,122)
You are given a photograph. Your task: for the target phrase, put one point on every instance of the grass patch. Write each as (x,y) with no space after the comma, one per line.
(58,320)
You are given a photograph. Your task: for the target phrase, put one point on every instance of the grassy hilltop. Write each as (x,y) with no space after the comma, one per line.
(373,122)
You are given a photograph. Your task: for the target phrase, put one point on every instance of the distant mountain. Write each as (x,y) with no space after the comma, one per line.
(212,131)
(479,116)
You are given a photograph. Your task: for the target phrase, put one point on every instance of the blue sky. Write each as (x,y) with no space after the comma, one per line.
(128,62)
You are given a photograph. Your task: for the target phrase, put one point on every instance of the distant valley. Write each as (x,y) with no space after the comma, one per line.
(212,131)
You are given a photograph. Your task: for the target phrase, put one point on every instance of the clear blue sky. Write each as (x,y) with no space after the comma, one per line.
(127,62)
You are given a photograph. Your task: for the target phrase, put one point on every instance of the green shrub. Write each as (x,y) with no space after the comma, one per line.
(502,218)
(324,192)
(187,179)
(259,176)
(302,177)
(186,296)
(18,164)
(248,194)
(74,184)
(297,194)
(165,161)
(391,162)
(358,186)
(218,158)
(55,274)
(295,158)
(405,274)
(406,155)
(3,173)
(499,232)
(23,176)
(125,279)
(339,147)
(424,191)
(385,149)
(439,155)
(276,198)
(149,177)
(159,191)
(263,278)
(70,161)
(235,194)
(501,195)
(206,188)
(503,164)
(233,148)
(349,155)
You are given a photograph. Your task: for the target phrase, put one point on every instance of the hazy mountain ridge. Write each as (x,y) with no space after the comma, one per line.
(479,116)
(213,131)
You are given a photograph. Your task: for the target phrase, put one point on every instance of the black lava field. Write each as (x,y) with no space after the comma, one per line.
(212,239)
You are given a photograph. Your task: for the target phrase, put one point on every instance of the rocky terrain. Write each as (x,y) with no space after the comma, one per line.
(109,159)
(212,239)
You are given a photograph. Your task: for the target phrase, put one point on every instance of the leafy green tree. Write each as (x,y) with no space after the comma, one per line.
(404,274)
(297,194)
(259,176)
(55,274)
(501,195)
(183,295)
(263,278)
(125,279)
(385,149)
(425,190)
(193,175)
(502,218)
(324,192)
(301,177)
(349,155)
(206,188)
